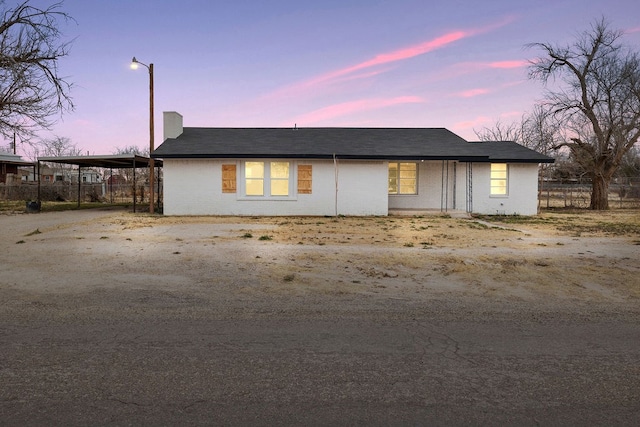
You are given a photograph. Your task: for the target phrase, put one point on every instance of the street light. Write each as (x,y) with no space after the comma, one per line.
(134,66)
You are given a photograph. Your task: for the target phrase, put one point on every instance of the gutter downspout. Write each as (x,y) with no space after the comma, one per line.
(335,169)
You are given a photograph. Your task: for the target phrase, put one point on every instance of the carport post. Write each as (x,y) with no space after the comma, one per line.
(79,181)
(111,184)
(134,184)
(39,183)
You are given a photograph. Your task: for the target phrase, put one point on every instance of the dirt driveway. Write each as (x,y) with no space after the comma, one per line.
(112,318)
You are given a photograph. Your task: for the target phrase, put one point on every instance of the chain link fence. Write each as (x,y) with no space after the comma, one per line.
(65,191)
(624,193)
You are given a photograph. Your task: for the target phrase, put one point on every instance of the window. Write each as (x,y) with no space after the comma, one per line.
(254,174)
(499,178)
(266,179)
(403,178)
(304,179)
(279,178)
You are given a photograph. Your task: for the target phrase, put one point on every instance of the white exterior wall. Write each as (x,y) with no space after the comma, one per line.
(194,187)
(432,192)
(187,186)
(522,194)
(362,188)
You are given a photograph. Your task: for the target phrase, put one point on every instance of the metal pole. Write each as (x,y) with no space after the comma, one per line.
(39,201)
(111,184)
(442,187)
(446,199)
(79,183)
(151,144)
(134,185)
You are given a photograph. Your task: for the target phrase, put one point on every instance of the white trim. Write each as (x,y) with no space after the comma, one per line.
(241,181)
(417,179)
(506,194)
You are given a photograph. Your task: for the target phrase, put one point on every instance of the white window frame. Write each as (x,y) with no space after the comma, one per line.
(493,180)
(398,186)
(242,180)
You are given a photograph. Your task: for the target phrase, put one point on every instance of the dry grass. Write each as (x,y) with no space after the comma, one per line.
(566,254)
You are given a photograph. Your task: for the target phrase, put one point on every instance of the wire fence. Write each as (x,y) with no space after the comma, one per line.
(65,191)
(624,193)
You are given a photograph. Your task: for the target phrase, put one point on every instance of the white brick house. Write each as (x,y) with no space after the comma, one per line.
(341,171)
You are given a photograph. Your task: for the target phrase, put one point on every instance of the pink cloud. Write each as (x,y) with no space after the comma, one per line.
(633,30)
(397,55)
(351,107)
(508,114)
(472,92)
(508,64)
(366,69)
(471,124)
(388,58)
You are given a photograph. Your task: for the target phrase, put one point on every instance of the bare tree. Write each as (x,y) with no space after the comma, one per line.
(501,132)
(541,131)
(598,101)
(58,146)
(536,130)
(132,149)
(31,90)
(142,175)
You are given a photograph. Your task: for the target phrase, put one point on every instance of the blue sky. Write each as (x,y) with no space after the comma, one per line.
(250,63)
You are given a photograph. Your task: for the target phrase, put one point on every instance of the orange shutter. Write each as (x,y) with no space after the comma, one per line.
(304,179)
(228,178)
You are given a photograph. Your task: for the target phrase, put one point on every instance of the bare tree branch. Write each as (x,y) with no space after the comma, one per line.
(32,92)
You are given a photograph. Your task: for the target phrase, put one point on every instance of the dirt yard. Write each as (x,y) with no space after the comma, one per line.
(584,257)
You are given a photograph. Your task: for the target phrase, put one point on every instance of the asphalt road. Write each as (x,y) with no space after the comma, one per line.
(104,324)
(440,365)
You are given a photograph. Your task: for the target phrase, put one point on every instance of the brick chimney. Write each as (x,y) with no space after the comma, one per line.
(172,124)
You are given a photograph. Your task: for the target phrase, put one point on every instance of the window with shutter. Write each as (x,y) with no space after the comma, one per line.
(304,179)
(228,178)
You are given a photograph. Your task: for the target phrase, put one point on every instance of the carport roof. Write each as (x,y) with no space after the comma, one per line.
(116,161)
(13,159)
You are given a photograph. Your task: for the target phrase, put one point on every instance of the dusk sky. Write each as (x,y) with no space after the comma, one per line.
(347,63)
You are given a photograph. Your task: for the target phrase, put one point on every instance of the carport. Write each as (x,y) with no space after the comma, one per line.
(116,161)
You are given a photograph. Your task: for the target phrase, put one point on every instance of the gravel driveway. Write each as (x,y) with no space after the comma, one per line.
(107,318)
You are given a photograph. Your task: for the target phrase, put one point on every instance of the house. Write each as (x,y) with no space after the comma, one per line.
(341,171)
(47,174)
(88,176)
(10,165)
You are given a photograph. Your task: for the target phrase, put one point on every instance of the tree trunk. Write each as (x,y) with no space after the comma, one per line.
(599,192)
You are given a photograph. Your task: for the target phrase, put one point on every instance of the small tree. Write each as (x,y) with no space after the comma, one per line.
(536,130)
(501,132)
(598,101)
(57,146)
(141,175)
(31,90)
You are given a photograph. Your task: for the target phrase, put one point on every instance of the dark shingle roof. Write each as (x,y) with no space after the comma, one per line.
(509,151)
(324,143)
